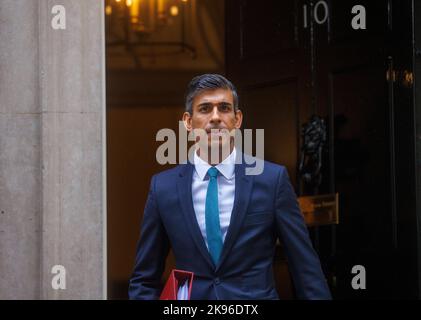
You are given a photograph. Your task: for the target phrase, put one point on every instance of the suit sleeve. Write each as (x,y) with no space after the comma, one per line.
(303,262)
(152,250)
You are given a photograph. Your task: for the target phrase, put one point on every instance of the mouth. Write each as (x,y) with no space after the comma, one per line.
(216,133)
(216,130)
(220,136)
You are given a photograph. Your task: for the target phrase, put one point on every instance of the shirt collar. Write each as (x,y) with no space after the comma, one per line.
(226,167)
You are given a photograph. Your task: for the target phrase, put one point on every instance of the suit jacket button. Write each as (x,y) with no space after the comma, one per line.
(217,281)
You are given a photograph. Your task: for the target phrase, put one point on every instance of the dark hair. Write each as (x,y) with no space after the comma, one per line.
(208,82)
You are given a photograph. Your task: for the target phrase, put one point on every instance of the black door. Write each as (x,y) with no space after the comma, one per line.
(294,58)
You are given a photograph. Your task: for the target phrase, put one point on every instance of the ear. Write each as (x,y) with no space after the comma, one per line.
(187,120)
(238,119)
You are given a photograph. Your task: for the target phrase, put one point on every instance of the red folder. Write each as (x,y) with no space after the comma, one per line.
(176,278)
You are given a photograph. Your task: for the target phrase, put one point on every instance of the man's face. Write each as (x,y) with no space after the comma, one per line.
(214,109)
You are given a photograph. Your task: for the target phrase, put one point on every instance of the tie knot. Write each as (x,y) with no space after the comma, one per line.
(213,172)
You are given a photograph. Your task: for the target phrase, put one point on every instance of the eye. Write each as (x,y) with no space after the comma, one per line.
(225,107)
(203,108)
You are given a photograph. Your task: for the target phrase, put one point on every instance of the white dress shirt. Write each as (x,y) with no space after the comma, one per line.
(226,191)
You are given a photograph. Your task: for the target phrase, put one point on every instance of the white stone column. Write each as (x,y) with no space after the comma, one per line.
(52,150)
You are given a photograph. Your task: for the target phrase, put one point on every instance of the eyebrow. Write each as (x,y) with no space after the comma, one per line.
(210,103)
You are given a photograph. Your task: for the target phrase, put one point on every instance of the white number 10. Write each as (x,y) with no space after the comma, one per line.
(320,16)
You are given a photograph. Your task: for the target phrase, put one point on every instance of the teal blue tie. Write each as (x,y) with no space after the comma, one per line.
(213,228)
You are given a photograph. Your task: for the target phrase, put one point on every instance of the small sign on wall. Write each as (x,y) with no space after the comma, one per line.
(320,209)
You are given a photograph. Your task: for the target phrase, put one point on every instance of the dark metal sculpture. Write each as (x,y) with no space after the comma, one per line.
(314,138)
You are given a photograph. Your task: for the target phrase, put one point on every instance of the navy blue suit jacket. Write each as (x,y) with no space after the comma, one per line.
(265,207)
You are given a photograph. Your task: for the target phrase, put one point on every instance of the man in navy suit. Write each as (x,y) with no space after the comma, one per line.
(222,223)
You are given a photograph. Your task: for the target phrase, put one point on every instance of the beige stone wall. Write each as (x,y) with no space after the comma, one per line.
(52,150)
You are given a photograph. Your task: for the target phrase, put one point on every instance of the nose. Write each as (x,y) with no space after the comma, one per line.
(215,115)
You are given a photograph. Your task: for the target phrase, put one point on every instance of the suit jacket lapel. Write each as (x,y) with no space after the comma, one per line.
(184,187)
(243,186)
